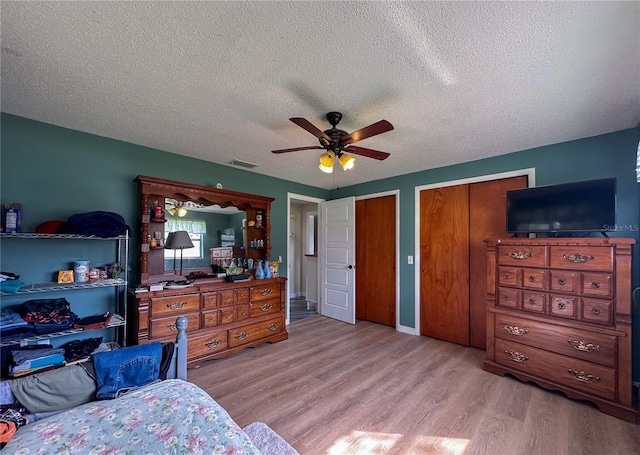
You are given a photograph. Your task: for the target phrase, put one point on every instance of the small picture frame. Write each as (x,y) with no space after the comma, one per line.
(65,276)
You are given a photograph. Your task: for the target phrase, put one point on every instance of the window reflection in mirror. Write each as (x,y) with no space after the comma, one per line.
(208,227)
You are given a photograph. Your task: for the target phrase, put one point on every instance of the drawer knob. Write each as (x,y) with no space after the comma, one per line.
(507,275)
(520,255)
(241,336)
(176,305)
(172,327)
(506,297)
(583,377)
(595,285)
(266,307)
(210,319)
(515,330)
(273,326)
(578,258)
(532,301)
(562,306)
(595,311)
(516,356)
(213,343)
(562,281)
(532,279)
(583,345)
(266,291)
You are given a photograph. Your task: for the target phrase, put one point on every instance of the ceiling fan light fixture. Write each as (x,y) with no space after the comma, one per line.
(326,162)
(347,161)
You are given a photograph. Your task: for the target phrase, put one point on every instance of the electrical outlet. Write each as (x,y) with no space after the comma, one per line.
(409,259)
(279,258)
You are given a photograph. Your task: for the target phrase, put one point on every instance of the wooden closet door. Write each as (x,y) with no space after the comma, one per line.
(444,263)
(488,212)
(376,260)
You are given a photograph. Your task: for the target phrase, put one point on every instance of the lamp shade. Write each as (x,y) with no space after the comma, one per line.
(326,162)
(178,240)
(347,161)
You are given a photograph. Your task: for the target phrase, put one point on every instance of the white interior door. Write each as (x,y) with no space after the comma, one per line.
(337,241)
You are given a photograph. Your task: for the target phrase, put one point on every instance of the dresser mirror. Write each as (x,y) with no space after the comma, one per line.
(214,218)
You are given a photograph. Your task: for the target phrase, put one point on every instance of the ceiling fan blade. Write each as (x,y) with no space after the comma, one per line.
(369,153)
(310,127)
(297,149)
(375,128)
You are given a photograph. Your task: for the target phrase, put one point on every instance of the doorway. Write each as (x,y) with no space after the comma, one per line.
(302,256)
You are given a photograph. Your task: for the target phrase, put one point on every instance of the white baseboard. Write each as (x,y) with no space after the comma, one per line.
(407,330)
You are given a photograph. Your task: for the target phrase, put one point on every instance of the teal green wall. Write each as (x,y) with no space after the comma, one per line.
(609,155)
(55,172)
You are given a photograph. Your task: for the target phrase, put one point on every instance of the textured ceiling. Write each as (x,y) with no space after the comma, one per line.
(219,80)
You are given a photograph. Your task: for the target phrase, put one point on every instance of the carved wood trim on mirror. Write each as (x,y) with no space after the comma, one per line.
(152,190)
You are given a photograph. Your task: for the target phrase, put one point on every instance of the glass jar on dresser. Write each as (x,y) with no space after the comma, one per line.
(559,315)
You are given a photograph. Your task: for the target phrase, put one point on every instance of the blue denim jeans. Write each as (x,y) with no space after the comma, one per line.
(126,368)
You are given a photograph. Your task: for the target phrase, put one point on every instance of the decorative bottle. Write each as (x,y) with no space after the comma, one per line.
(259,270)
(267,269)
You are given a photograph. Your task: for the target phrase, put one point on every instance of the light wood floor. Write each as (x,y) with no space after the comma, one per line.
(334,388)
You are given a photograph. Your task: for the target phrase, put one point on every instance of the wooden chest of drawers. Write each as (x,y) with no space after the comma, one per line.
(559,314)
(224,317)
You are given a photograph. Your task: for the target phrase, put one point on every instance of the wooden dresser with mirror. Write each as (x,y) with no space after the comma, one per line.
(224,317)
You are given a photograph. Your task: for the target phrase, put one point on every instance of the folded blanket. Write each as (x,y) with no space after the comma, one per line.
(10,319)
(20,357)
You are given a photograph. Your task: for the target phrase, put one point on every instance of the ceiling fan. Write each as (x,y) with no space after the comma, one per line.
(337,142)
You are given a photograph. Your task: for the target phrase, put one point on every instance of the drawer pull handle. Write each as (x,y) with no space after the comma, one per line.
(595,285)
(532,301)
(583,377)
(273,326)
(506,297)
(515,330)
(227,297)
(211,319)
(578,258)
(562,306)
(266,291)
(583,346)
(516,356)
(266,307)
(213,343)
(562,281)
(176,306)
(520,255)
(532,279)
(241,336)
(595,311)
(507,275)
(172,327)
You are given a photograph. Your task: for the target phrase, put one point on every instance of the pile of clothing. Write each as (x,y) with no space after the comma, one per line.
(26,362)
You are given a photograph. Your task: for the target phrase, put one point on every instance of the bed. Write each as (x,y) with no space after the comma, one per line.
(165,417)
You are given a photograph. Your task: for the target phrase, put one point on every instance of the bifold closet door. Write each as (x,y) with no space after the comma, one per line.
(376,260)
(444,263)
(454,223)
(488,209)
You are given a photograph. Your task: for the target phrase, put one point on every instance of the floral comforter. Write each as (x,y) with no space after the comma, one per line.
(168,417)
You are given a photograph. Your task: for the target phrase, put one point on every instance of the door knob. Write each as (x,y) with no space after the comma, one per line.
(349,266)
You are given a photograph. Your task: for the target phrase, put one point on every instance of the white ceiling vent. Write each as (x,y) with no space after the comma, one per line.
(246,164)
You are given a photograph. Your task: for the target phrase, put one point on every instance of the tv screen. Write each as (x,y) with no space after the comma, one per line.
(588,206)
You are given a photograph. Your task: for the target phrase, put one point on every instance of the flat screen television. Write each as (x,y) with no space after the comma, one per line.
(577,207)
